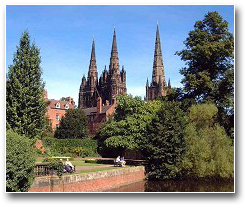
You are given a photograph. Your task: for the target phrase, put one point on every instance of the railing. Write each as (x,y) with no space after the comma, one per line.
(42,169)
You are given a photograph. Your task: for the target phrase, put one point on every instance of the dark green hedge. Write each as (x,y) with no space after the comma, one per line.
(20,162)
(72,147)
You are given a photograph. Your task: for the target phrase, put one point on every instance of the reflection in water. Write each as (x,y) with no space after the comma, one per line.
(177,186)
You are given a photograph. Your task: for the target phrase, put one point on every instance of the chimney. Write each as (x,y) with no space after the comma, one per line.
(99,105)
(69,99)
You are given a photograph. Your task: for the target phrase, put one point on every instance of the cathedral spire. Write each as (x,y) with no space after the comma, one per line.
(158,67)
(114,59)
(93,64)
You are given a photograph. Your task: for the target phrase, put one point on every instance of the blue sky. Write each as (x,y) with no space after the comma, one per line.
(64,35)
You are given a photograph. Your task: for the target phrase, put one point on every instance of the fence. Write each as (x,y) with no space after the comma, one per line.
(42,169)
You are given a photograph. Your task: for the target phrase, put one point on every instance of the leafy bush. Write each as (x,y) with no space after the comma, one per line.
(57,166)
(127,129)
(91,161)
(20,162)
(73,125)
(72,147)
(209,153)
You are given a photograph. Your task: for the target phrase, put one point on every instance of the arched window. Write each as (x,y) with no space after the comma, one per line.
(58,105)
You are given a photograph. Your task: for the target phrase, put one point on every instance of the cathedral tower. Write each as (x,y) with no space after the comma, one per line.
(158,85)
(111,83)
(88,88)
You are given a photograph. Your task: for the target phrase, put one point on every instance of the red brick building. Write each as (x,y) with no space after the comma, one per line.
(99,114)
(56,109)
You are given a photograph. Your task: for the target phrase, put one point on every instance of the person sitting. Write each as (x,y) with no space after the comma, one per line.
(117,161)
(122,161)
(69,166)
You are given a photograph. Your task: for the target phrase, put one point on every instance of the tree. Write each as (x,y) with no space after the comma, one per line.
(66,99)
(164,147)
(73,125)
(209,56)
(25,105)
(127,128)
(20,162)
(209,153)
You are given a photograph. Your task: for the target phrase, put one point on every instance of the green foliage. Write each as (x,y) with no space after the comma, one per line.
(209,75)
(57,166)
(208,148)
(164,146)
(202,115)
(48,130)
(73,125)
(20,162)
(128,127)
(25,105)
(66,99)
(71,147)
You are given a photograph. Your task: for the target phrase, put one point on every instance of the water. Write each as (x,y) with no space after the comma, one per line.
(177,186)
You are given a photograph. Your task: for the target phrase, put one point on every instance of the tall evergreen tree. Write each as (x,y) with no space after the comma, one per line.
(164,147)
(25,104)
(209,56)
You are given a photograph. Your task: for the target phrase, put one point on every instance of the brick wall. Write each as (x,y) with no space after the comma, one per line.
(89,182)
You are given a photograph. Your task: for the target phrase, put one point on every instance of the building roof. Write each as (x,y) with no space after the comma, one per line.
(93,110)
(53,103)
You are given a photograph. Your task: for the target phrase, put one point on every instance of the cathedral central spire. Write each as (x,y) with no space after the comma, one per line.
(158,84)
(158,67)
(93,64)
(114,59)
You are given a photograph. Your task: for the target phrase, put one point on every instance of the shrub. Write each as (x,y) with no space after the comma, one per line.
(73,125)
(209,153)
(20,162)
(72,147)
(57,166)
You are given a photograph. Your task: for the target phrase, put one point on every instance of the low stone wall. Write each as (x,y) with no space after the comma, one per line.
(89,182)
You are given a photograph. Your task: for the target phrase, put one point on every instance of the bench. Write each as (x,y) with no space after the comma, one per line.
(119,163)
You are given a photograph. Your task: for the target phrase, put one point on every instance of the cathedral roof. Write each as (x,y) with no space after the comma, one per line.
(93,110)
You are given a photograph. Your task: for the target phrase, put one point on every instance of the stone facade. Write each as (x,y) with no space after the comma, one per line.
(158,85)
(111,83)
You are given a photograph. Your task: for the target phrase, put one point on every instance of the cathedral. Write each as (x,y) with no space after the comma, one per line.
(158,85)
(97,96)
(111,83)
